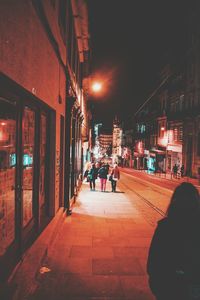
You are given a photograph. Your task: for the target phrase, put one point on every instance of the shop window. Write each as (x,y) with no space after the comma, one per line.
(28,163)
(43,158)
(7,175)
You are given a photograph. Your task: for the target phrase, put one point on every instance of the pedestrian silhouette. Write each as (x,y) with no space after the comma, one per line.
(115,176)
(103,172)
(175,170)
(182,171)
(173,263)
(92,174)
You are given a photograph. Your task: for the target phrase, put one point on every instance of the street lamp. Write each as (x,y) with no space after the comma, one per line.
(96,87)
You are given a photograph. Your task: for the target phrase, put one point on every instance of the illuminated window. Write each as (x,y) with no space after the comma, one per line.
(180,133)
(176,134)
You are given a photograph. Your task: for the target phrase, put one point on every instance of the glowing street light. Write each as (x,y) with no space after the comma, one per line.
(96,87)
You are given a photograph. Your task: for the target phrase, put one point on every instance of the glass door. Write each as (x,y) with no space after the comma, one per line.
(43,203)
(28,161)
(8,158)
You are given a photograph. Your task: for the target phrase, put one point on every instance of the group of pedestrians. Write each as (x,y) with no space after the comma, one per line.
(173,263)
(178,171)
(104,174)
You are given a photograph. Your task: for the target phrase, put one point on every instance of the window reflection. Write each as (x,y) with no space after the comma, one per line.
(42,194)
(28,160)
(7,175)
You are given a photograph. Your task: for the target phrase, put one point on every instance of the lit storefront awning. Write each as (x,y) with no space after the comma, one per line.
(157,152)
(174,148)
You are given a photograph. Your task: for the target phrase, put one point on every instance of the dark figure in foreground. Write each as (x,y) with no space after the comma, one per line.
(174,256)
(92,174)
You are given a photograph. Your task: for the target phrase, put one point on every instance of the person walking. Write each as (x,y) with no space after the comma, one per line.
(103,172)
(182,171)
(175,170)
(115,176)
(92,174)
(173,263)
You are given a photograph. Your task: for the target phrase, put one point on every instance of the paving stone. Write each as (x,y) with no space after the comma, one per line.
(93,252)
(137,286)
(122,266)
(130,252)
(92,286)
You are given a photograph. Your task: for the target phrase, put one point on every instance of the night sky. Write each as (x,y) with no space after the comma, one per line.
(129,40)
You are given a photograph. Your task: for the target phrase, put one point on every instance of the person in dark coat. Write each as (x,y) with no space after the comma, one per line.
(173,263)
(103,173)
(115,176)
(92,174)
(175,170)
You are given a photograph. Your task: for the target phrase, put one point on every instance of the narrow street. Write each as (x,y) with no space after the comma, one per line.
(100,251)
(83,97)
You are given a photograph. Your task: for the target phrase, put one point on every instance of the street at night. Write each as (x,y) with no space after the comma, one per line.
(100,251)
(99,150)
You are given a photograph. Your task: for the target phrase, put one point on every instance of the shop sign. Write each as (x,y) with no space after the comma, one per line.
(174,148)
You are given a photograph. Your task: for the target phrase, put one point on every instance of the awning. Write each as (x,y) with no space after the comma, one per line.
(174,148)
(158,152)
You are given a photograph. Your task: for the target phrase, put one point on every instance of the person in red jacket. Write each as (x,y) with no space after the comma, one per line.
(115,176)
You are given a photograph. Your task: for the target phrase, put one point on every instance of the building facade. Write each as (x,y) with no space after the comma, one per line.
(105,144)
(167,124)
(117,141)
(44,53)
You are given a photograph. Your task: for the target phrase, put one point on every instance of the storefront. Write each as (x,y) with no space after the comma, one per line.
(26,157)
(138,161)
(174,156)
(157,161)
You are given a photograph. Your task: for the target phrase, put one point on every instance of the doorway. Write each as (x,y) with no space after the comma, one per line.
(24,201)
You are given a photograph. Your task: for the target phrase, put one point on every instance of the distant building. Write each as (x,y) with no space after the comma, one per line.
(105,143)
(117,141)
(167,130)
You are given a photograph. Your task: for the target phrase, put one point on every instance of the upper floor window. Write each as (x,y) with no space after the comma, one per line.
(141,128)
(176,134)
(161,129)
(180,133)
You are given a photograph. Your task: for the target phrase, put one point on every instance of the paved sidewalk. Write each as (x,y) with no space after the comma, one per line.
(99,252)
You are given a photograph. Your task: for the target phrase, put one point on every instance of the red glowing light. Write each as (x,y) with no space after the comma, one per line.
(3,123)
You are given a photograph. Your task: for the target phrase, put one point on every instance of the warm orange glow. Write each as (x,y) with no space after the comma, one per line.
(96,87)
(3,123)
(162,128)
